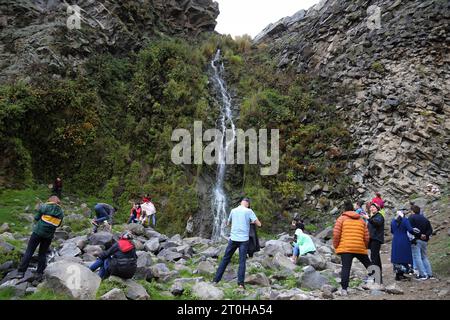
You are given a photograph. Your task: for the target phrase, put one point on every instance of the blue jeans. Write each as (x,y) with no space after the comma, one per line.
(104,267)
(153,220)
(420,259)
(231,248)
(296,250)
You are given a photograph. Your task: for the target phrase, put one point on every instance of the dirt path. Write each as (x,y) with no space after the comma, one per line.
(413,289)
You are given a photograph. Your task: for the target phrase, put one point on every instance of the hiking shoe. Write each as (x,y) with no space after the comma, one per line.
(421,278)
(431,278)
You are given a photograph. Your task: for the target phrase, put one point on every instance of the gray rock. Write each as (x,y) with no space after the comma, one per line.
(259,279)
(292,294)
(169,255)
(73,279)
(114,294)
(5,246)
(326,234)
(282,262)
(4,228)
(207,291)
(135,228)
(312,279)
(177,288)
(101,238)
(276,246)
(211,252)
(160,270)
(152,245)
(7,265)
(206,267)
(69,249)
(61,234)
(135,291)
(394,289)
(18,285)
(94,250)
(315,260)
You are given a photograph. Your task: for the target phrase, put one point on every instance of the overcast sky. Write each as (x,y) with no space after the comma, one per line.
(238,17)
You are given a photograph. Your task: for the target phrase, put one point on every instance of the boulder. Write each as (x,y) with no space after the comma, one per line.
(169,255)
(114,294)
(394,289)
(61,234)
(150,233)
(94,250)
(177,288)
(101,238)
(80,241)
(69,249)
(207,291)
(72,279)
(315,260)
(292,294)
(211,252)
(152,245)
(5,246)
(4,228)
(7,265)
(276,246)
(312,279)
(282,262)
(135,291)
(160,270)
(206,267)
(19,286)
(259,279)
(326,234)
(135,228)
(144,261)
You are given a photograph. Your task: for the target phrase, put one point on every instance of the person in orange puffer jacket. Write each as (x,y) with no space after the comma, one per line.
(350,240)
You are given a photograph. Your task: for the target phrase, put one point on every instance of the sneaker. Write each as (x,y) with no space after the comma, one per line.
(431,278)
(342,292)
(421,278)
(241,286)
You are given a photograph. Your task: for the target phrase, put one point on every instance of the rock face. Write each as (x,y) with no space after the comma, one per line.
(73,279)
(383,62)
(35,34)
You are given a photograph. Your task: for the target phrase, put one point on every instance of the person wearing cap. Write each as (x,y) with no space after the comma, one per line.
(376,233)
(119,260)
(48,217)
(240,219)
(377,199)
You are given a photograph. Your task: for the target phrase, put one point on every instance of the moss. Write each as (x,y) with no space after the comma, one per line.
(47,294)
(377,67)
(107,285)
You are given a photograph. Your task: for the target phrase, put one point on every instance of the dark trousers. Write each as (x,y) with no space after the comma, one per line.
(375,247)
(33,243)
(347,259)
(231,248)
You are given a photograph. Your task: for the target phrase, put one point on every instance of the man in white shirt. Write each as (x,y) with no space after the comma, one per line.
(148,210)
(240,219)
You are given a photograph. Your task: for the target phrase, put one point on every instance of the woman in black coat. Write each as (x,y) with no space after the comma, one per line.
(376,232)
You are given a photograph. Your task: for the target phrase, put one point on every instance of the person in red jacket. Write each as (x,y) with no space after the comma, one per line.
(378,200)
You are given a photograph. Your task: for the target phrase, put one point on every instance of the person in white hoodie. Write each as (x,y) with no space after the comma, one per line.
(148,211)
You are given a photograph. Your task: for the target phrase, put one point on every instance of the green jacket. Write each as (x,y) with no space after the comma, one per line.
(305,243)
(48,217)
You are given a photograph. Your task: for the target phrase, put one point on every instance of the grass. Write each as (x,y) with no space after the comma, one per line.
(355,283)
(47,294)
(289,283)
(155,290)
(7,293)
(233,294)
(185,274)
(107,285)
(439,254)
(13,256)
(14,202)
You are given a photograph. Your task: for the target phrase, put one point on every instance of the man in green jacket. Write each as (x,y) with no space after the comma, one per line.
(48,217)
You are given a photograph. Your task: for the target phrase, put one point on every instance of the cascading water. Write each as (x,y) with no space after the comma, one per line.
(224,123)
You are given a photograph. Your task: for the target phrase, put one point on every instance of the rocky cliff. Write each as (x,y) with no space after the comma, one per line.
(386,64)
(38,35)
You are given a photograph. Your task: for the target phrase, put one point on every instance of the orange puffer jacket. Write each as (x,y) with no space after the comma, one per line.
(350,234)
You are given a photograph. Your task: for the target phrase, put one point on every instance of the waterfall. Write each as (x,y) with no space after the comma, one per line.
(224,123)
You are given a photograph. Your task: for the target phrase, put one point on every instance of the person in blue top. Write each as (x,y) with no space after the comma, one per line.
(240,219)
(360,210)
(401,254)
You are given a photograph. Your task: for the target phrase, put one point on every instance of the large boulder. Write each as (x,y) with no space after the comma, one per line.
(144,261)
(5,246)
(150,233)
(80,241)
(72,279)
(135,228)
(101,238)
(207,291)
(114,294)
(135,291)
(160,271)
(69,249)
(206,267)
(211,252)
(312,279)
(152,245)
(276,246)
(94,250)
(259,279)
(282,262)
(169,255)
(326,234)
(315,260)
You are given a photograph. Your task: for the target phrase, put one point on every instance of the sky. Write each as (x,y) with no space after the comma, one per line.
(238,17)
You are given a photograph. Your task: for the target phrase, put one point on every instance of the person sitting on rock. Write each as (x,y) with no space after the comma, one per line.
(103,213)
(303,243)
(48,217)
(120,260)
(135,213)
(350,240)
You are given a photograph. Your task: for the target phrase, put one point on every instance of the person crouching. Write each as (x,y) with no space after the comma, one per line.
(119,260)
